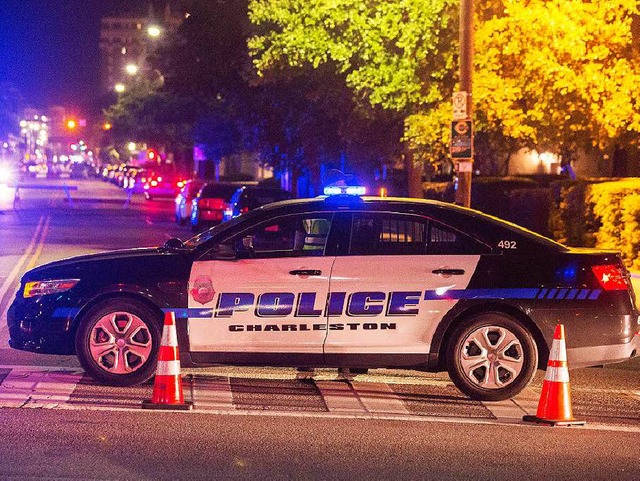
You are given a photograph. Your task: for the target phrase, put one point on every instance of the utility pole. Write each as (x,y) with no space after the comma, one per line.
(462,126)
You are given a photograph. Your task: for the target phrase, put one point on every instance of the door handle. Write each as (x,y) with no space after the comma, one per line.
(305,272)
(449,272)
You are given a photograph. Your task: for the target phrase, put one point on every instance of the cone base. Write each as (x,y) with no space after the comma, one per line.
(186,406)
(551,422)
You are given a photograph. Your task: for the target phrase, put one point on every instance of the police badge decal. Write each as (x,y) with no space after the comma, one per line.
(202,290)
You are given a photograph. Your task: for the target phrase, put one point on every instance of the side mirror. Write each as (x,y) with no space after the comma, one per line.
(174,244)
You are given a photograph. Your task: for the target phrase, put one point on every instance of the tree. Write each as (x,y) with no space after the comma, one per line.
(559,74)
(395,54)
(551,74)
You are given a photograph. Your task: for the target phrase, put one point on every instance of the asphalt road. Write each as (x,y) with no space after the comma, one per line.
(117,445)
(262,423)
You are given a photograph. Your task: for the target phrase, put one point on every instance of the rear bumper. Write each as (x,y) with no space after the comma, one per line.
(598,355)
(211,215)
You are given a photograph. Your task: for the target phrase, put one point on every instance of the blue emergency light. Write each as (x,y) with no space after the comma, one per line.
(345,190)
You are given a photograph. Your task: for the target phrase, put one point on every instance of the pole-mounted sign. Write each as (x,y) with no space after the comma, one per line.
(462,140)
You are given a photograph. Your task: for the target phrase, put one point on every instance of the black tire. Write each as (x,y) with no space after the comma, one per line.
(117,342)
(491,357)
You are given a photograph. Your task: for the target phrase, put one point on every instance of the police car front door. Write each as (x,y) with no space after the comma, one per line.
(389,293)
(269,302)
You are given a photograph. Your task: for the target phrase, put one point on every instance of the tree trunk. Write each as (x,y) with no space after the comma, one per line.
(414,176)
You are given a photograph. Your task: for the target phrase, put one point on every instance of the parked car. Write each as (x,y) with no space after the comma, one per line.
(161,183)
(135,180)
(184,199)
(210,204)
(249,197)
(338,281)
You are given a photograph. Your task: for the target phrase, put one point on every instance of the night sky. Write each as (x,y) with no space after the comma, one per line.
(49,48)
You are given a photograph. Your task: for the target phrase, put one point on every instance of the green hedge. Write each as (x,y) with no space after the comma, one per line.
(516,199)
(601,213)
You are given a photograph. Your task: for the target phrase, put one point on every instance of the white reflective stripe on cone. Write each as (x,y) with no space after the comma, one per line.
(168,368)
(558,350)
(169,337)
(557,374)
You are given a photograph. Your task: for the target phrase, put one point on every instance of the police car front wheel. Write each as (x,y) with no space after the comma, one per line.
(491,357)
(117,342)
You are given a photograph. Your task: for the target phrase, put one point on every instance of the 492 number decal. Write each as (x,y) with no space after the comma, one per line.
(507,244)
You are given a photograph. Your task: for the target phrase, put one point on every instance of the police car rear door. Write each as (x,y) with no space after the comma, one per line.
(388,294)
(267,305)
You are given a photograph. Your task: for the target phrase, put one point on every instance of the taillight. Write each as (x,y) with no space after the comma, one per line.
(213,204)
(244,210)
(610,277)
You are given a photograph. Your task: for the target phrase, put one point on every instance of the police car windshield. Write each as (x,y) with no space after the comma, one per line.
(215,231)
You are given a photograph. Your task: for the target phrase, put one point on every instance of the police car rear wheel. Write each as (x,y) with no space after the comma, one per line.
(117,342)
(492,357)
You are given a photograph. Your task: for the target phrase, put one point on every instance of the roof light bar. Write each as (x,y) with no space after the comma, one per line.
(345,190)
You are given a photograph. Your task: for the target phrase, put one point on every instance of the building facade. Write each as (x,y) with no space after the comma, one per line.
(126,41)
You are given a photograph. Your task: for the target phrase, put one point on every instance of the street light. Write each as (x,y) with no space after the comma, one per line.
(153,31)
(132,69)
(120,88)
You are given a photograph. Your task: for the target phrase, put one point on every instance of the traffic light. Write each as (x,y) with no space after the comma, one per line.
(152,155)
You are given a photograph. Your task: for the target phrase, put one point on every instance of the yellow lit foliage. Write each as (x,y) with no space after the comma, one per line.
(548,73)
(609,213)
(559,71)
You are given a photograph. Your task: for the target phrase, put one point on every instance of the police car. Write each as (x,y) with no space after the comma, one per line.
(338,281)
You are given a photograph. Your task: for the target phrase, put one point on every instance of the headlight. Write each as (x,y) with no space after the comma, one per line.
(43,288)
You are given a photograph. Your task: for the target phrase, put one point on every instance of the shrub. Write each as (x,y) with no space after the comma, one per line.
(443,191)
(530,208)
(598,213)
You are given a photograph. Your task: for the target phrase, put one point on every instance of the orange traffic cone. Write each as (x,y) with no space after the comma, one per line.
(167,386)
(554,407)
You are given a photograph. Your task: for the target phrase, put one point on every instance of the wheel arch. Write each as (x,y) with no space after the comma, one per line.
(444,330)
(127,295)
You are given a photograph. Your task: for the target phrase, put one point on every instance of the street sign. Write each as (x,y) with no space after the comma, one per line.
(461,139)
(464,166)
(460,105)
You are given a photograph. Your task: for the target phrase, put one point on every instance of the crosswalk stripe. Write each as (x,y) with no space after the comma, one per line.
(212,394)
(339,397)
(513,409)
(37,388)
(379,398)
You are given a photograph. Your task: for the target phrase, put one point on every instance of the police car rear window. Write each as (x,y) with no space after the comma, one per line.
(391,234)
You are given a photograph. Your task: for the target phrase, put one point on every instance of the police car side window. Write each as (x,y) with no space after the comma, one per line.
(387,234)
(290,236)
(444,240)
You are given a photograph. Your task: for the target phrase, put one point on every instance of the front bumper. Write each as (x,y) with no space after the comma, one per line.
(36,328)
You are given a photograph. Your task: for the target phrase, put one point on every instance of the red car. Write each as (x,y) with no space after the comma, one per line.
(212,201)
(163,184)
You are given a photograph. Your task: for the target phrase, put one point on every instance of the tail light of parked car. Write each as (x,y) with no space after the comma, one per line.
(213,204)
